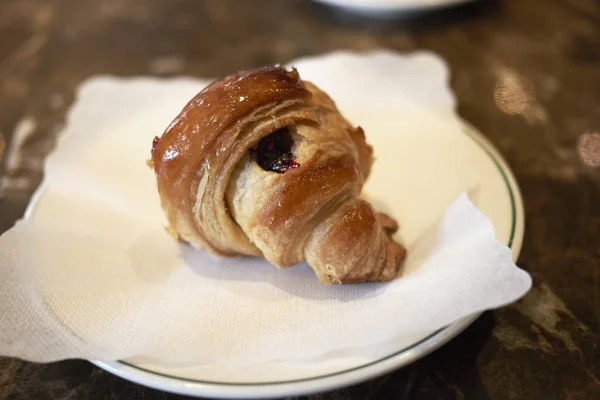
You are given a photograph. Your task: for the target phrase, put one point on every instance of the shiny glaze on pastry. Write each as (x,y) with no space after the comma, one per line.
(261,163)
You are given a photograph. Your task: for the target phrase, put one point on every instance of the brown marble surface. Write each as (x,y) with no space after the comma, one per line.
(526,73)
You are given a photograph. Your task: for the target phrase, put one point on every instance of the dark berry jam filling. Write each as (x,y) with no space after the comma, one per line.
(274,152)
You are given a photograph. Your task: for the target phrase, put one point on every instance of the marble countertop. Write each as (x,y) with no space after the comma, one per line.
(526,73)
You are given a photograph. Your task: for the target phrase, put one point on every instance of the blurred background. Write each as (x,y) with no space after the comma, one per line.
(526,73)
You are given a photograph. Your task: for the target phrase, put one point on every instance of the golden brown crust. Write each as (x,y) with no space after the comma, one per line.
(308,189)
(365,151)
(355,246)
(192,139)
(217,198)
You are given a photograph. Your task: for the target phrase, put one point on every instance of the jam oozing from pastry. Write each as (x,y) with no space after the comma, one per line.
(274,152)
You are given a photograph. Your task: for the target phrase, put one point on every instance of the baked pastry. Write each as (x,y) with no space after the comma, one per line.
(261,163)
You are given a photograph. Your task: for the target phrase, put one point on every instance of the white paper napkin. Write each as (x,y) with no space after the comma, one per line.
(93,274)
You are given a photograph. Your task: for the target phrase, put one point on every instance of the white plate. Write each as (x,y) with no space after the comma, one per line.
(278,380)
(390,8)
(478,165)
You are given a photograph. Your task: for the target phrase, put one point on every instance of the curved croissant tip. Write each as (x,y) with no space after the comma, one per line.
(295,73)
(154,144)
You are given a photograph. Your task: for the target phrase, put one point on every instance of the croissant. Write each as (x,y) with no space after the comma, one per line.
(261,163)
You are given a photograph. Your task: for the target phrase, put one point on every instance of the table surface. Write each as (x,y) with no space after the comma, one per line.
(526,73)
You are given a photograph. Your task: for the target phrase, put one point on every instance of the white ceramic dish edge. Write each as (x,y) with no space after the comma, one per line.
(390,9)
(334,380)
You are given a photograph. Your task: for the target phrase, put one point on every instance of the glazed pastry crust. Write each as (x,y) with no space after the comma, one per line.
(217,197)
